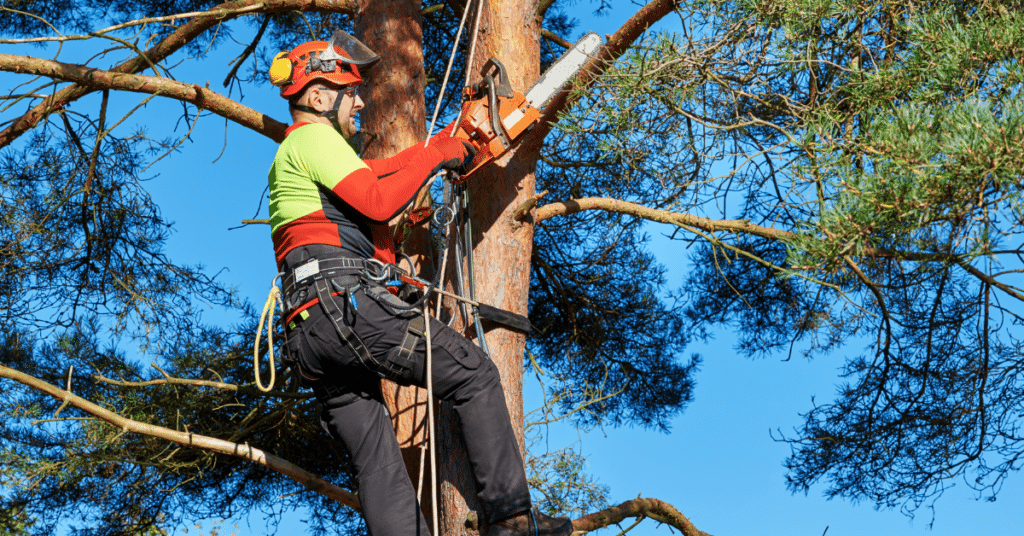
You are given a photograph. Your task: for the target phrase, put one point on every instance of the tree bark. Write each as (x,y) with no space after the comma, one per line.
(502,248)
(395,118)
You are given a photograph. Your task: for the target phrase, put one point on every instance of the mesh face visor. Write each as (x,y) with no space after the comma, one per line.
(360,54)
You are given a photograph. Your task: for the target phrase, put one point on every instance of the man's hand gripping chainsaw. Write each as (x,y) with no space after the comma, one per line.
(494,116)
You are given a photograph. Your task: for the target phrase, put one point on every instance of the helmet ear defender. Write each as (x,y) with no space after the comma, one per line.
(281,70)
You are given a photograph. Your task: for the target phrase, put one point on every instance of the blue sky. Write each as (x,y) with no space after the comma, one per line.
(718,466)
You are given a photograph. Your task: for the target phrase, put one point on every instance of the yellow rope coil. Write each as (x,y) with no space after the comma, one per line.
(273,301)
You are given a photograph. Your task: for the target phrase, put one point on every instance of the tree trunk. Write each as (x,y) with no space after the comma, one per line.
(510,32)
(394,118)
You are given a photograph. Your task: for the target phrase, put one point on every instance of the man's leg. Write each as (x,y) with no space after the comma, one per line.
(354,414)
(385,491)
(463,375)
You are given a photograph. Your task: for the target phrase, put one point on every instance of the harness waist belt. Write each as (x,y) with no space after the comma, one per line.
(329,268)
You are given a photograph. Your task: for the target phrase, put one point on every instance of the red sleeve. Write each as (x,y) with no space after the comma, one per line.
(383,167)
(382,196)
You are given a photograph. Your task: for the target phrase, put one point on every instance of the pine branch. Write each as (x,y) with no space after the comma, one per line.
(615,46)
(190,440)
(563,208)
(640,507)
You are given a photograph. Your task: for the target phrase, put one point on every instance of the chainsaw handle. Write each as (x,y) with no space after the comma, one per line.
(504,87)
(494,109)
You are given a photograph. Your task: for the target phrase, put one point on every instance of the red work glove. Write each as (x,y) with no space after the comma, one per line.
(456,154)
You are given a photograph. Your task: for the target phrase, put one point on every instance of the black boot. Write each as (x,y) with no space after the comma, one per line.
(532,523)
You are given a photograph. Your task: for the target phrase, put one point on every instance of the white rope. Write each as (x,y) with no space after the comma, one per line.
(423,464)
(430,417)
(472,48)
(444,260)
(444,83)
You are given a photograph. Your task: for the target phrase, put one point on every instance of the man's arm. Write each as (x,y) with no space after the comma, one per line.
(383,167)
(379,198)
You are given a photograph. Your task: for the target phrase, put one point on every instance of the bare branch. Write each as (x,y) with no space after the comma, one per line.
(183,35)
(94,79)
(555,38)
(248,50)
(640,507)
(210,444)
(563,208)
(170,380)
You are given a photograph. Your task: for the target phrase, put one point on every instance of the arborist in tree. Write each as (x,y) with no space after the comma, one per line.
(329,212)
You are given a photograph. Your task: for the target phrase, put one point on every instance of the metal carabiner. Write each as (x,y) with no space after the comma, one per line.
(381,274)
(449,216)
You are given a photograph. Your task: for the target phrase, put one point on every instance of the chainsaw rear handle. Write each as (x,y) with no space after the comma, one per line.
(494,109)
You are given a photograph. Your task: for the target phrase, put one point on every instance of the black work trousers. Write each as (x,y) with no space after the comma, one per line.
(354,412)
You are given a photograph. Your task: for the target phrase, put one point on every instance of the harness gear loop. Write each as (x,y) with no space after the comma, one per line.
(274,300)
(331,309)
(379,266)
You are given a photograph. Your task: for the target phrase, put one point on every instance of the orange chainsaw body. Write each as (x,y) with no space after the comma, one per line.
(493,117)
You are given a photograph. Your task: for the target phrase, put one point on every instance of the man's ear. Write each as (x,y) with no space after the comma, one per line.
(319,100)
(313,98)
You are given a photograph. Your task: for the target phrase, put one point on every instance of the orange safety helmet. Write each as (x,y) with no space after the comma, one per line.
(336,62)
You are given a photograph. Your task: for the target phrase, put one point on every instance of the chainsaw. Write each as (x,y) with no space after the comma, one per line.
(494,116)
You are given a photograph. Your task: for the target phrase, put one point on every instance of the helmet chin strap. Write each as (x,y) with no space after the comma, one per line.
(331,115)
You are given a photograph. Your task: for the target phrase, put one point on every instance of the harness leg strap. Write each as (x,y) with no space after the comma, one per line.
(331,309)
(402,361)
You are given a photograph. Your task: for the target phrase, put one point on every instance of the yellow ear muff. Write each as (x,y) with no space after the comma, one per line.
(281,70)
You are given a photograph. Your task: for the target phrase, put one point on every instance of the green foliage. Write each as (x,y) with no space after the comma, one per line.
(80,236)
(595,295)
(873,151)
(852,170)
(14,522)
(563,487)
(903,188)
(122,482)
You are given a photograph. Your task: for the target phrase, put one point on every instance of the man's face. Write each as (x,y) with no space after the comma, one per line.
(324,99)
(348,109)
